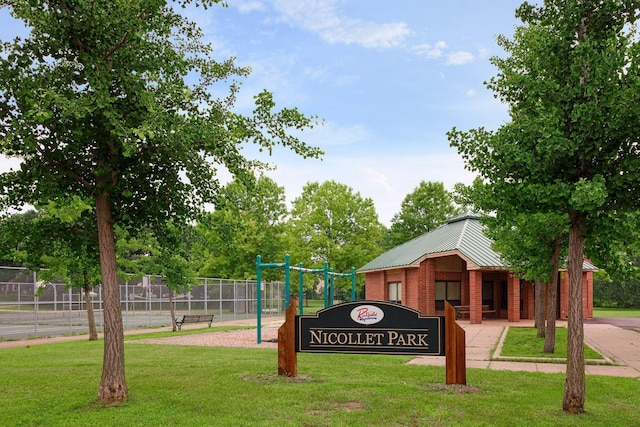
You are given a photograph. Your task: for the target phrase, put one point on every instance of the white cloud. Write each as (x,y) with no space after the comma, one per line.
(376,177)
(441,49)
(322,17)
(459,58)
(471,93)
(333,135)
(248,6)
(386,180)
(431,52)
(318,74)
(9,163)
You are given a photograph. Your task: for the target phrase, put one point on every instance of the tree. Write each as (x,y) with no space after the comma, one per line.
(572,82)
(532,244)
(58,241)
(111,101)
(428,206)
(330,223)
(248,220)
(608,292)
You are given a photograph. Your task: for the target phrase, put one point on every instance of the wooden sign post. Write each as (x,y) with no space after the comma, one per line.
(375,327)
(455,348)
(287,356)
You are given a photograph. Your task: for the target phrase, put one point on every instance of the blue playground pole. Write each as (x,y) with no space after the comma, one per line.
(353,283)
(326,284)
(331,286)
(259,267)
(259,297)
(287,281)
(300,289)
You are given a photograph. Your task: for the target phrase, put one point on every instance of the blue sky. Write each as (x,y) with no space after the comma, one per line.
(388,78)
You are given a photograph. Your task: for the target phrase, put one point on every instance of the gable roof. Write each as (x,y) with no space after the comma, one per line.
(462,235)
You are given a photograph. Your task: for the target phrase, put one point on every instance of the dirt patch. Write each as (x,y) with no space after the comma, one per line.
(452,388)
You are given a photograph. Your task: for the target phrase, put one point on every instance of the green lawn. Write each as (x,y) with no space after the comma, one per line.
(523,342)
(616,312)
(56,385)
(313,305)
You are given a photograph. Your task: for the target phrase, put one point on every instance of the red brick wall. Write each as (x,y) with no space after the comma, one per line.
(375,286)
(418,290)
(514,298)
(430,287)
(475,296)
(528,300)
(412,297)
(563,290)
(587,294)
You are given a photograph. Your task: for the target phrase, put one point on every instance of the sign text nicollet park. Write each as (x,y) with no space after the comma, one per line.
(370,327)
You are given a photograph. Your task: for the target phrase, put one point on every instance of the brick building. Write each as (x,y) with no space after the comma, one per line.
(455,263)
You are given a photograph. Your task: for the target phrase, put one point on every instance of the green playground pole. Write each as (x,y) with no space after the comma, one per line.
(353,283)
(300,289)
(326,284)
(287,281)
(259,297)
(332,283)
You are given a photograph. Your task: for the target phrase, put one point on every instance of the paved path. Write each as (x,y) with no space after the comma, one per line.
(619,346)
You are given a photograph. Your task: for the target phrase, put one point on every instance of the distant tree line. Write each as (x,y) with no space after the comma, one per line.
(329,222)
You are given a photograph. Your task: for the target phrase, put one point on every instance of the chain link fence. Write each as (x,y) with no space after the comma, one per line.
(30,308)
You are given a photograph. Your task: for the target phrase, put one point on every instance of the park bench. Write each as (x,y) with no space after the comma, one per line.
(465,311)
(194,318)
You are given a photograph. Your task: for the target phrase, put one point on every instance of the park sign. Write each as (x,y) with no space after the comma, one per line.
(370,327)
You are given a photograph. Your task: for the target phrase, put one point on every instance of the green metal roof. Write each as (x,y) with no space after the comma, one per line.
(462,235)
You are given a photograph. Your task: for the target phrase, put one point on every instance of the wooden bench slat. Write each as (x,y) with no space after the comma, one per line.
(466,310)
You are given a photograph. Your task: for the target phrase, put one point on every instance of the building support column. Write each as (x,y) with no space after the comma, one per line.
(564,294)
(430,287)
(587,294)
(513,298)
(475,296)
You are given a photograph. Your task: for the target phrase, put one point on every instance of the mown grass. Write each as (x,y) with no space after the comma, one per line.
(616,312)
(169,385)
(523,342)
(313,305)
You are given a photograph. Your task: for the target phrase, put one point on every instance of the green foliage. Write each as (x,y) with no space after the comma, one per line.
(106,106)
(59,241)
(248,220)
(428,206)
(571,79)
(112,102)
(330,223)
(616,293)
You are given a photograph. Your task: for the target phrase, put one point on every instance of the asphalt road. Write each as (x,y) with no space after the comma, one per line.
(620,322)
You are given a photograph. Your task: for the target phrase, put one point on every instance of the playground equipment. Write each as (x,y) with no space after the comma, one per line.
(328,276)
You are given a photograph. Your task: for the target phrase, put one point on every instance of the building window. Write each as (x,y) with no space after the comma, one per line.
(447,291)
(395,292)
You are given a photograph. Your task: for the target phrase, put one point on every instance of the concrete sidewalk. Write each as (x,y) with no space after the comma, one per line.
(619,346)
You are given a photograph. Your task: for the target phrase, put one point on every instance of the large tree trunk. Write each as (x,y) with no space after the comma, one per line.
(113,387)
(575,384)
(93,333)
(552,299)
(539,289)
